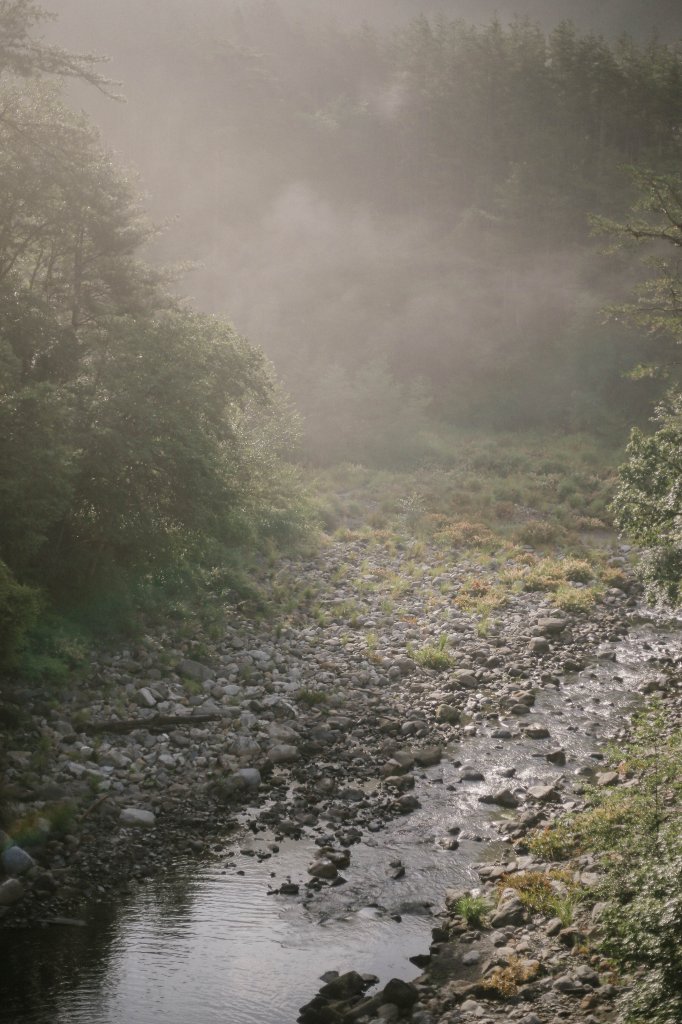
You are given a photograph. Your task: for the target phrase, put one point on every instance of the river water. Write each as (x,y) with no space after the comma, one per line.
(206,943)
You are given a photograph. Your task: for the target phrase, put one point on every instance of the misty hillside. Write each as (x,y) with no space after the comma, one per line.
(397,205)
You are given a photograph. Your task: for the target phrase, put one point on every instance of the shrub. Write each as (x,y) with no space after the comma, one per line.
(19,607)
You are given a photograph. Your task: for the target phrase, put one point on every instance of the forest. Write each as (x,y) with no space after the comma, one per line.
(276,277)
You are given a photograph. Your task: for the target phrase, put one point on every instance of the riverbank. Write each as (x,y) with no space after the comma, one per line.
(382,662)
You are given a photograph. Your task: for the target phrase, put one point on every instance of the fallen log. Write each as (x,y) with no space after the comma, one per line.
(153,723)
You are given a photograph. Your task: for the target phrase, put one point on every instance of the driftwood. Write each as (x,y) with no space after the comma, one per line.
(155,722)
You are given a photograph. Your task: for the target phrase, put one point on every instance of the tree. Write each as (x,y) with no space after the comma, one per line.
(648,503)
(132,430)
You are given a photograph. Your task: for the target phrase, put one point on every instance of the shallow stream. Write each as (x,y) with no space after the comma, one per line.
(205,944)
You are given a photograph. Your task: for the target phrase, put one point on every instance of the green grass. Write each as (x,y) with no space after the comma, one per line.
(434,656)
(473,909)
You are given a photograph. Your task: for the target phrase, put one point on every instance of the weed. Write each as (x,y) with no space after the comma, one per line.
(473,909)
(433,656)
(312,698)
(505,981)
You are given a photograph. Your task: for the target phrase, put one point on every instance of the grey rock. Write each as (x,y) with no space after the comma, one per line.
(400,993)
(536,732)
(283,753)
(11,892)
(345,986)
(428,756)
(137,817)
(323,868)
(16,861)
(551,627)
(510,910)
(145,698)
(502,798)
(543,794)
(250,776)
(195,670)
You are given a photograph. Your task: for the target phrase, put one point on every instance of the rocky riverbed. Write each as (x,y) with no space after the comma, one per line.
(321,720)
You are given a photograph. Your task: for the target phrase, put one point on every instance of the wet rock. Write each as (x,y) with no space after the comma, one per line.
(536,732)
(400,993)
(137,818)
(502,798)
(543,794)
(556,757)
(323,868)
(345,986)
(407,803)
(607,779)
(468,774)
(428,756)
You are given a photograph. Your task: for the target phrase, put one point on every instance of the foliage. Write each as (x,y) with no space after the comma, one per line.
(434,656)
(135,434)
(19,607)
(473,909)
(636,831)
(648,502)
(504,981)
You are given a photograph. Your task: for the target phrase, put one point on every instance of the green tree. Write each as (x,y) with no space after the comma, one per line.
(648,504)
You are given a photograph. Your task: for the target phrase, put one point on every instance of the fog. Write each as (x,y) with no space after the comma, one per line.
(294,166)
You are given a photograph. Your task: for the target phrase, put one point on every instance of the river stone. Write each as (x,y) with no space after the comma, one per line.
(400,993)
(250,776)
(11,892)
(543,794)
(323,868)
(283,753)
(466,680)
(607,778)
(345,986)
(510,910)
(403,758)
(428,756)
(145,698)
(556,757)
(195,670)
(550,627)
(536,732)
(16,861)
(448,714)
(503,798)
(471,775)
(538,645)
(138,818)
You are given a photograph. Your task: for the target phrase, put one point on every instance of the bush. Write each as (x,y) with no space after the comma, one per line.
(19,608)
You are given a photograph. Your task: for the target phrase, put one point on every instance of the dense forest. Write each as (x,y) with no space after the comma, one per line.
(378,207)
(409,221)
